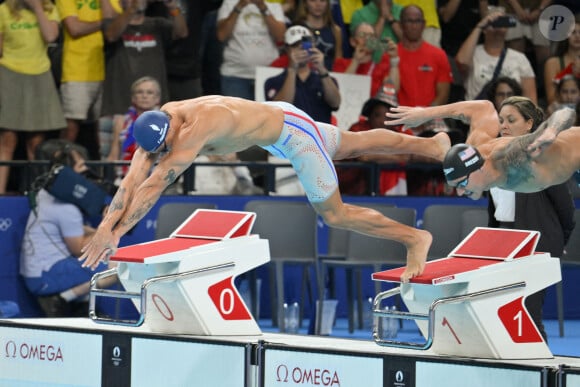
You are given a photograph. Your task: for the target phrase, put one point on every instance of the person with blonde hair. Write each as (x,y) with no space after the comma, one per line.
(317,16)
(29,101)
(145,96)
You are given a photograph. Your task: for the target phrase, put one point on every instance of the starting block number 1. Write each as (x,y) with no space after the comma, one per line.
(227,300)
(518,323)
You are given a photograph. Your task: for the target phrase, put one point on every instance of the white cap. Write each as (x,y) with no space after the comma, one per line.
(295,34)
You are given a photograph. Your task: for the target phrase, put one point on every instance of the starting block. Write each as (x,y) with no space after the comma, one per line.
(471,303)
(184,284)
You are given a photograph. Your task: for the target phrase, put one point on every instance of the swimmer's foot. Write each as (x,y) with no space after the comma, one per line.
(443,143)
(417,255)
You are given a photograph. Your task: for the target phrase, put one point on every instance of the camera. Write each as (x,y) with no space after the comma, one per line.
(504,21)
(376,44)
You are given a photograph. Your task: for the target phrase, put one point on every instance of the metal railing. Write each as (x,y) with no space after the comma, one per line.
(27,171)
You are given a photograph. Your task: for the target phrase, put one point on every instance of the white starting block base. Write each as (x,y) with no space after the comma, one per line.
(59,352)
(472,303)
(184,284)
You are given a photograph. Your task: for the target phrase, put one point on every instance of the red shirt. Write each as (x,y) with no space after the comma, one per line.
(420,72)
(377,71)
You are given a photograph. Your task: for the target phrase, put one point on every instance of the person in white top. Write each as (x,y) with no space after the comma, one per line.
(478,62)
(250,31)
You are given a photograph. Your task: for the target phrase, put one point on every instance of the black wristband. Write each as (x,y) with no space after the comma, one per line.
(327,74)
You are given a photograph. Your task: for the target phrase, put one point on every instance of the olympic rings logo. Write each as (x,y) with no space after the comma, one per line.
(5,224)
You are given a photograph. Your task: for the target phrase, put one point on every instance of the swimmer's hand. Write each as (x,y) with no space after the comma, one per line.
(101,247)
(408,116)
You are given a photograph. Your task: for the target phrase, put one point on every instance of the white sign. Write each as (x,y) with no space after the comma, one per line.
(49,358)
(355,90)
(459,375)
(176,363)
(290,368)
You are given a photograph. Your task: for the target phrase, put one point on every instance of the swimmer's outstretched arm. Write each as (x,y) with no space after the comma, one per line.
(481,115)
(544,136)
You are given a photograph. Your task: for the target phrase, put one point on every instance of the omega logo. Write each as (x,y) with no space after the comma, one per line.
(26,351)
(314,376)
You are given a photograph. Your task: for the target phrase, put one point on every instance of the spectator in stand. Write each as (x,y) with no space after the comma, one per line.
(306,82)
(502,88)
(384,16)
(566,60)
(211,51)
(226,180)
(384,72)
(424,69)
(478,62)
(527,29)
(182,56)
(250,30)
(431,28)
(355,181)
(83,66)
(458,18)
(567,93)
(136,45)
(145,95)
(289,8)
(29,101)
(316,15)
(137,42)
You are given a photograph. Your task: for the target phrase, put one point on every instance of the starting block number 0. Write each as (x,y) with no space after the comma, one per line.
(226,294)
(227,300)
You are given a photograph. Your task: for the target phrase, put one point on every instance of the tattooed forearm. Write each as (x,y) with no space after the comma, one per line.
(170,177)
(139,213)
(117,203)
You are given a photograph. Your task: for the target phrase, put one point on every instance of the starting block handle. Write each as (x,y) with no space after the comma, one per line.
(122,294)
(430,316)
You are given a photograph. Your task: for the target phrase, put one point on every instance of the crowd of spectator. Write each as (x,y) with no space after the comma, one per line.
(83,71)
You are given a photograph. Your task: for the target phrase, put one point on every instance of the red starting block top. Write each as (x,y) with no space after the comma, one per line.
(437,271)
(139,253)
(216,224)
(202,227)
(482,247)
(494,243)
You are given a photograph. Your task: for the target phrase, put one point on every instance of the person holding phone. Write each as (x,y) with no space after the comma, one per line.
(525,29)
(479,62)
(306,82)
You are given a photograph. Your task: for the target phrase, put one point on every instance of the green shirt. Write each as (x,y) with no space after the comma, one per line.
(370,14)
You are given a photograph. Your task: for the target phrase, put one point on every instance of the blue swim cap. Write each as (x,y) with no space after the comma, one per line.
(150,129)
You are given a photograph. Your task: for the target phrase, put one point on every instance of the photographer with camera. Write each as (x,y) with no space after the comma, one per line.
(365,44)
(482,63)
(306,82)
(56,232)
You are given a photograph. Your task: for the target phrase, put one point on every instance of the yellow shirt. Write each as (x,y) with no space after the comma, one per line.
(347,8)
(429,8)
(24,50)
(83,58)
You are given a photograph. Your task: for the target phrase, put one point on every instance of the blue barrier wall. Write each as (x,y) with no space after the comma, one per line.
(14,212)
